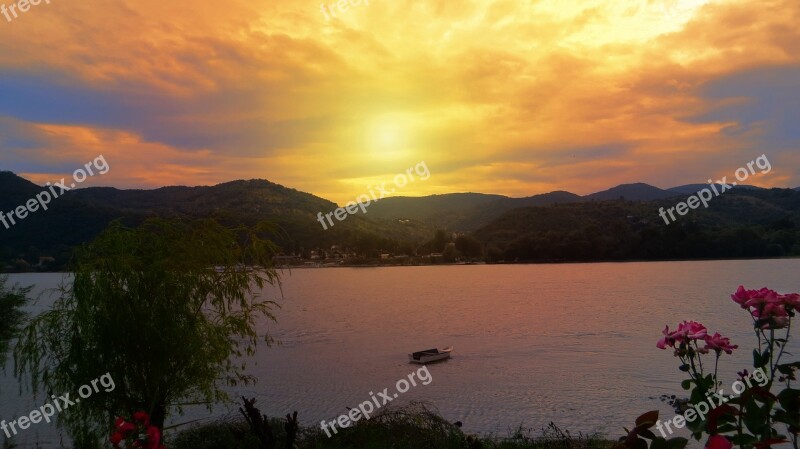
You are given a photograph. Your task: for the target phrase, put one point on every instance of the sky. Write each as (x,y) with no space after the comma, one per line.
(514,97)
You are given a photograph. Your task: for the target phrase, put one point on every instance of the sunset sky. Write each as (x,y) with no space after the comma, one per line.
(512,97)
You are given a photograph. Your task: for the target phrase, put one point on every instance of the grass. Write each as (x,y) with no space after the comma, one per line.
(415,426)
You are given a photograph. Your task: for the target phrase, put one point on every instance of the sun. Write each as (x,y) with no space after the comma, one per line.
(388,137)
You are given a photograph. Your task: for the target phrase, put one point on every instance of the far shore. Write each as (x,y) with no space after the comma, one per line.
(316,265)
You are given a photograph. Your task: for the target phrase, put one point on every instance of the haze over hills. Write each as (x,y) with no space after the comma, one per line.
(398,224)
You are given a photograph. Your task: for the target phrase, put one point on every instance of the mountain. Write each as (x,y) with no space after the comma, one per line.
(742,223)
(403,225)
(459,211)
(15,190)
(259,197)
(439,210)
(691,189)
(483,215)
(79,215)
(631,192)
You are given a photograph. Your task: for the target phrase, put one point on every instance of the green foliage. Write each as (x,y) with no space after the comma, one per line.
(11,317)
(752,415)
(736,225)
(217,435)
(551,437)
(168,309)
(414,426)
(440,241)
(642,437)
(469,246)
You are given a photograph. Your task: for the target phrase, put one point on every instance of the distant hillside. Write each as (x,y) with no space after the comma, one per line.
(553,226)
(258,197)
(691,189)
(438,210)
(79,215)
(15,190)
(460,211)
(631,192)
(484,215)
(741,223)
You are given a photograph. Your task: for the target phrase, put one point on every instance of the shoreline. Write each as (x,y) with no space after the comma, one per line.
(319,265)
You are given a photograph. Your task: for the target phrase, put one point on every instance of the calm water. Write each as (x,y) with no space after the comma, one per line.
(573,344)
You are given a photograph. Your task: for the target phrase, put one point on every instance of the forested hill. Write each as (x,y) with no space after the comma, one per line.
(740,223)
(79,215)
(616,224)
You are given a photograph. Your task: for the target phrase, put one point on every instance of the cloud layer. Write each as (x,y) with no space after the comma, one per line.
(515,97)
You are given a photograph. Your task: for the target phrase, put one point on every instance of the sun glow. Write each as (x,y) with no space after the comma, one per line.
(388,137)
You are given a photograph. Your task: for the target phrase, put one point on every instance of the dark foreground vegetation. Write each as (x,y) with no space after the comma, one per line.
(415,426)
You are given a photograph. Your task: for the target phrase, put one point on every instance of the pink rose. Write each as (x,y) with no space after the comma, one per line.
(667,340)
(751,298)
(124,426)
(116,438)
(719,343)
(792,300)
(686,332)
(153,437)
(767,305)
(142,417)
(741,296)
(718,442)
(773,311)
(690,330)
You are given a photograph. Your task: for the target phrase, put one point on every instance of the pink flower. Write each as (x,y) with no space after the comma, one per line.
(691,330)
(773,312)
(718,442)
(767,306)
(142,417)
(116,438)
(667,340)
(719,343)
(752,298)
(153,437)
(741,296)
(792,300)
(124,426)
(686,332)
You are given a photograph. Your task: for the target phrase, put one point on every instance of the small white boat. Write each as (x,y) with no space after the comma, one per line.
(430,355)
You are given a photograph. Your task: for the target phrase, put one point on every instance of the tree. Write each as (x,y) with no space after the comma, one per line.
(469,246)
(167,310)
(11,317)
(450,253)
(440,240)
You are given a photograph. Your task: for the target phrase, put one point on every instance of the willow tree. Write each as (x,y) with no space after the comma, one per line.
(11,300)
(168,310)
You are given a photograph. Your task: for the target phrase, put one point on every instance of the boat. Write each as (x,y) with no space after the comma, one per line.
(430,355)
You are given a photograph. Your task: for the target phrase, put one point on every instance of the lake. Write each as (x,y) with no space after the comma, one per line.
(568,343)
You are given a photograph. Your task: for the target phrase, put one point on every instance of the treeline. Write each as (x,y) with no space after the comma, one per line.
(739,226)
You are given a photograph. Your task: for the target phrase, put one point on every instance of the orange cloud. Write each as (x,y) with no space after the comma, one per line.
(512,97)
